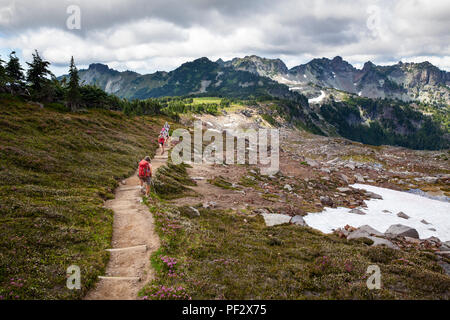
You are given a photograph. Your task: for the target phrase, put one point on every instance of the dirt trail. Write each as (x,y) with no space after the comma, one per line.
(134,240)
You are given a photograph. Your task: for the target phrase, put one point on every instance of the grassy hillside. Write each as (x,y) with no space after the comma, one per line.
(228,254)
(56,170)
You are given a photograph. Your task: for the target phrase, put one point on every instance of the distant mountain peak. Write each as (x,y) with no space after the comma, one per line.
(98,66)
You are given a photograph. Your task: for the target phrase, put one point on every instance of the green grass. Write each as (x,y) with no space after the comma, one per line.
(221,182)
(172,181)
(56,170)
(206,100)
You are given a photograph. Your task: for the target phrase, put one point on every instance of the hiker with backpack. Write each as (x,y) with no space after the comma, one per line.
(161,142)
(145,174)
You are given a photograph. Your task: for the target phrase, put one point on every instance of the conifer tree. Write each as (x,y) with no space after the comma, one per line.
(14,71)
(38,72)
(73,93)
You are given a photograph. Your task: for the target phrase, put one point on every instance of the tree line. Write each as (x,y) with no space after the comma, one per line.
(39,84)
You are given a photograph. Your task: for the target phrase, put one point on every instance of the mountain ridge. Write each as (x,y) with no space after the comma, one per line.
(406,81)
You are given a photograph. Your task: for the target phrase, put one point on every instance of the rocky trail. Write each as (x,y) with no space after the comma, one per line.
(134,240)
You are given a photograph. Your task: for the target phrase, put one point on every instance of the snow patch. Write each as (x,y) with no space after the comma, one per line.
(318,99)
(437,213)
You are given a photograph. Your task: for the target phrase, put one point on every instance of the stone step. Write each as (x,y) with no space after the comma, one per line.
(142,246)
(120,278)
(129,188)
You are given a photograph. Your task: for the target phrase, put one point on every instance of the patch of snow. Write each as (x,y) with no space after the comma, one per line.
(360,93)
(318,99)
(437,213)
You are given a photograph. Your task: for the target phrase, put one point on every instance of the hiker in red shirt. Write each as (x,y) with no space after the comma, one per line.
(161,141)
(145,174)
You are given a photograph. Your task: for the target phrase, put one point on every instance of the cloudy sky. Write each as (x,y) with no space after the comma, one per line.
(150,35)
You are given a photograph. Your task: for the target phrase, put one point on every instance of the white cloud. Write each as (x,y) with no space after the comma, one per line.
(146,36)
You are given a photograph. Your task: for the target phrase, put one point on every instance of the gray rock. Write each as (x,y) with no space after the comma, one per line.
(343,231)
(402,215)
(325,200)
(210,204)
(344,177)
(364,232)
(273,219)
(386,211)
(445,266)
(382,242)
(288,187)
(371,231)
(359,178)
(194,212)
(434,239)
(351,166)
(311,162)
(343,189)
(399,230)
(298,220)
(357,211)
(432,229)
(424,222)
(373,195)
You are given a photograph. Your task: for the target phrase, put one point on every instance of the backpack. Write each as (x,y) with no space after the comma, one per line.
(144,169)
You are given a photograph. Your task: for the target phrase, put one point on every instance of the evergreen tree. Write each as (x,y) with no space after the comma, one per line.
(73,93)
(38,72)
(14,71)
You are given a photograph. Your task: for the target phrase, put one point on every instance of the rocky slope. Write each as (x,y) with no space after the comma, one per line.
(333,107)
(422,82)
(200,76)
(405,81)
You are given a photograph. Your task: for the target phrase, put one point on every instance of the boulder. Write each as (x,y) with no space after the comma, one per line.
(445,266)
(351,166)
(357,211)
(311,162)
(402,215)
(288,187)
(359,178)
(424,221)
(436,240)
(298,220)
(364,232)
(373,195)
(210,204)
(343,189)
(382,242)
(399,230)
(273,219)
(193,212)
(326,201)
(344,177)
